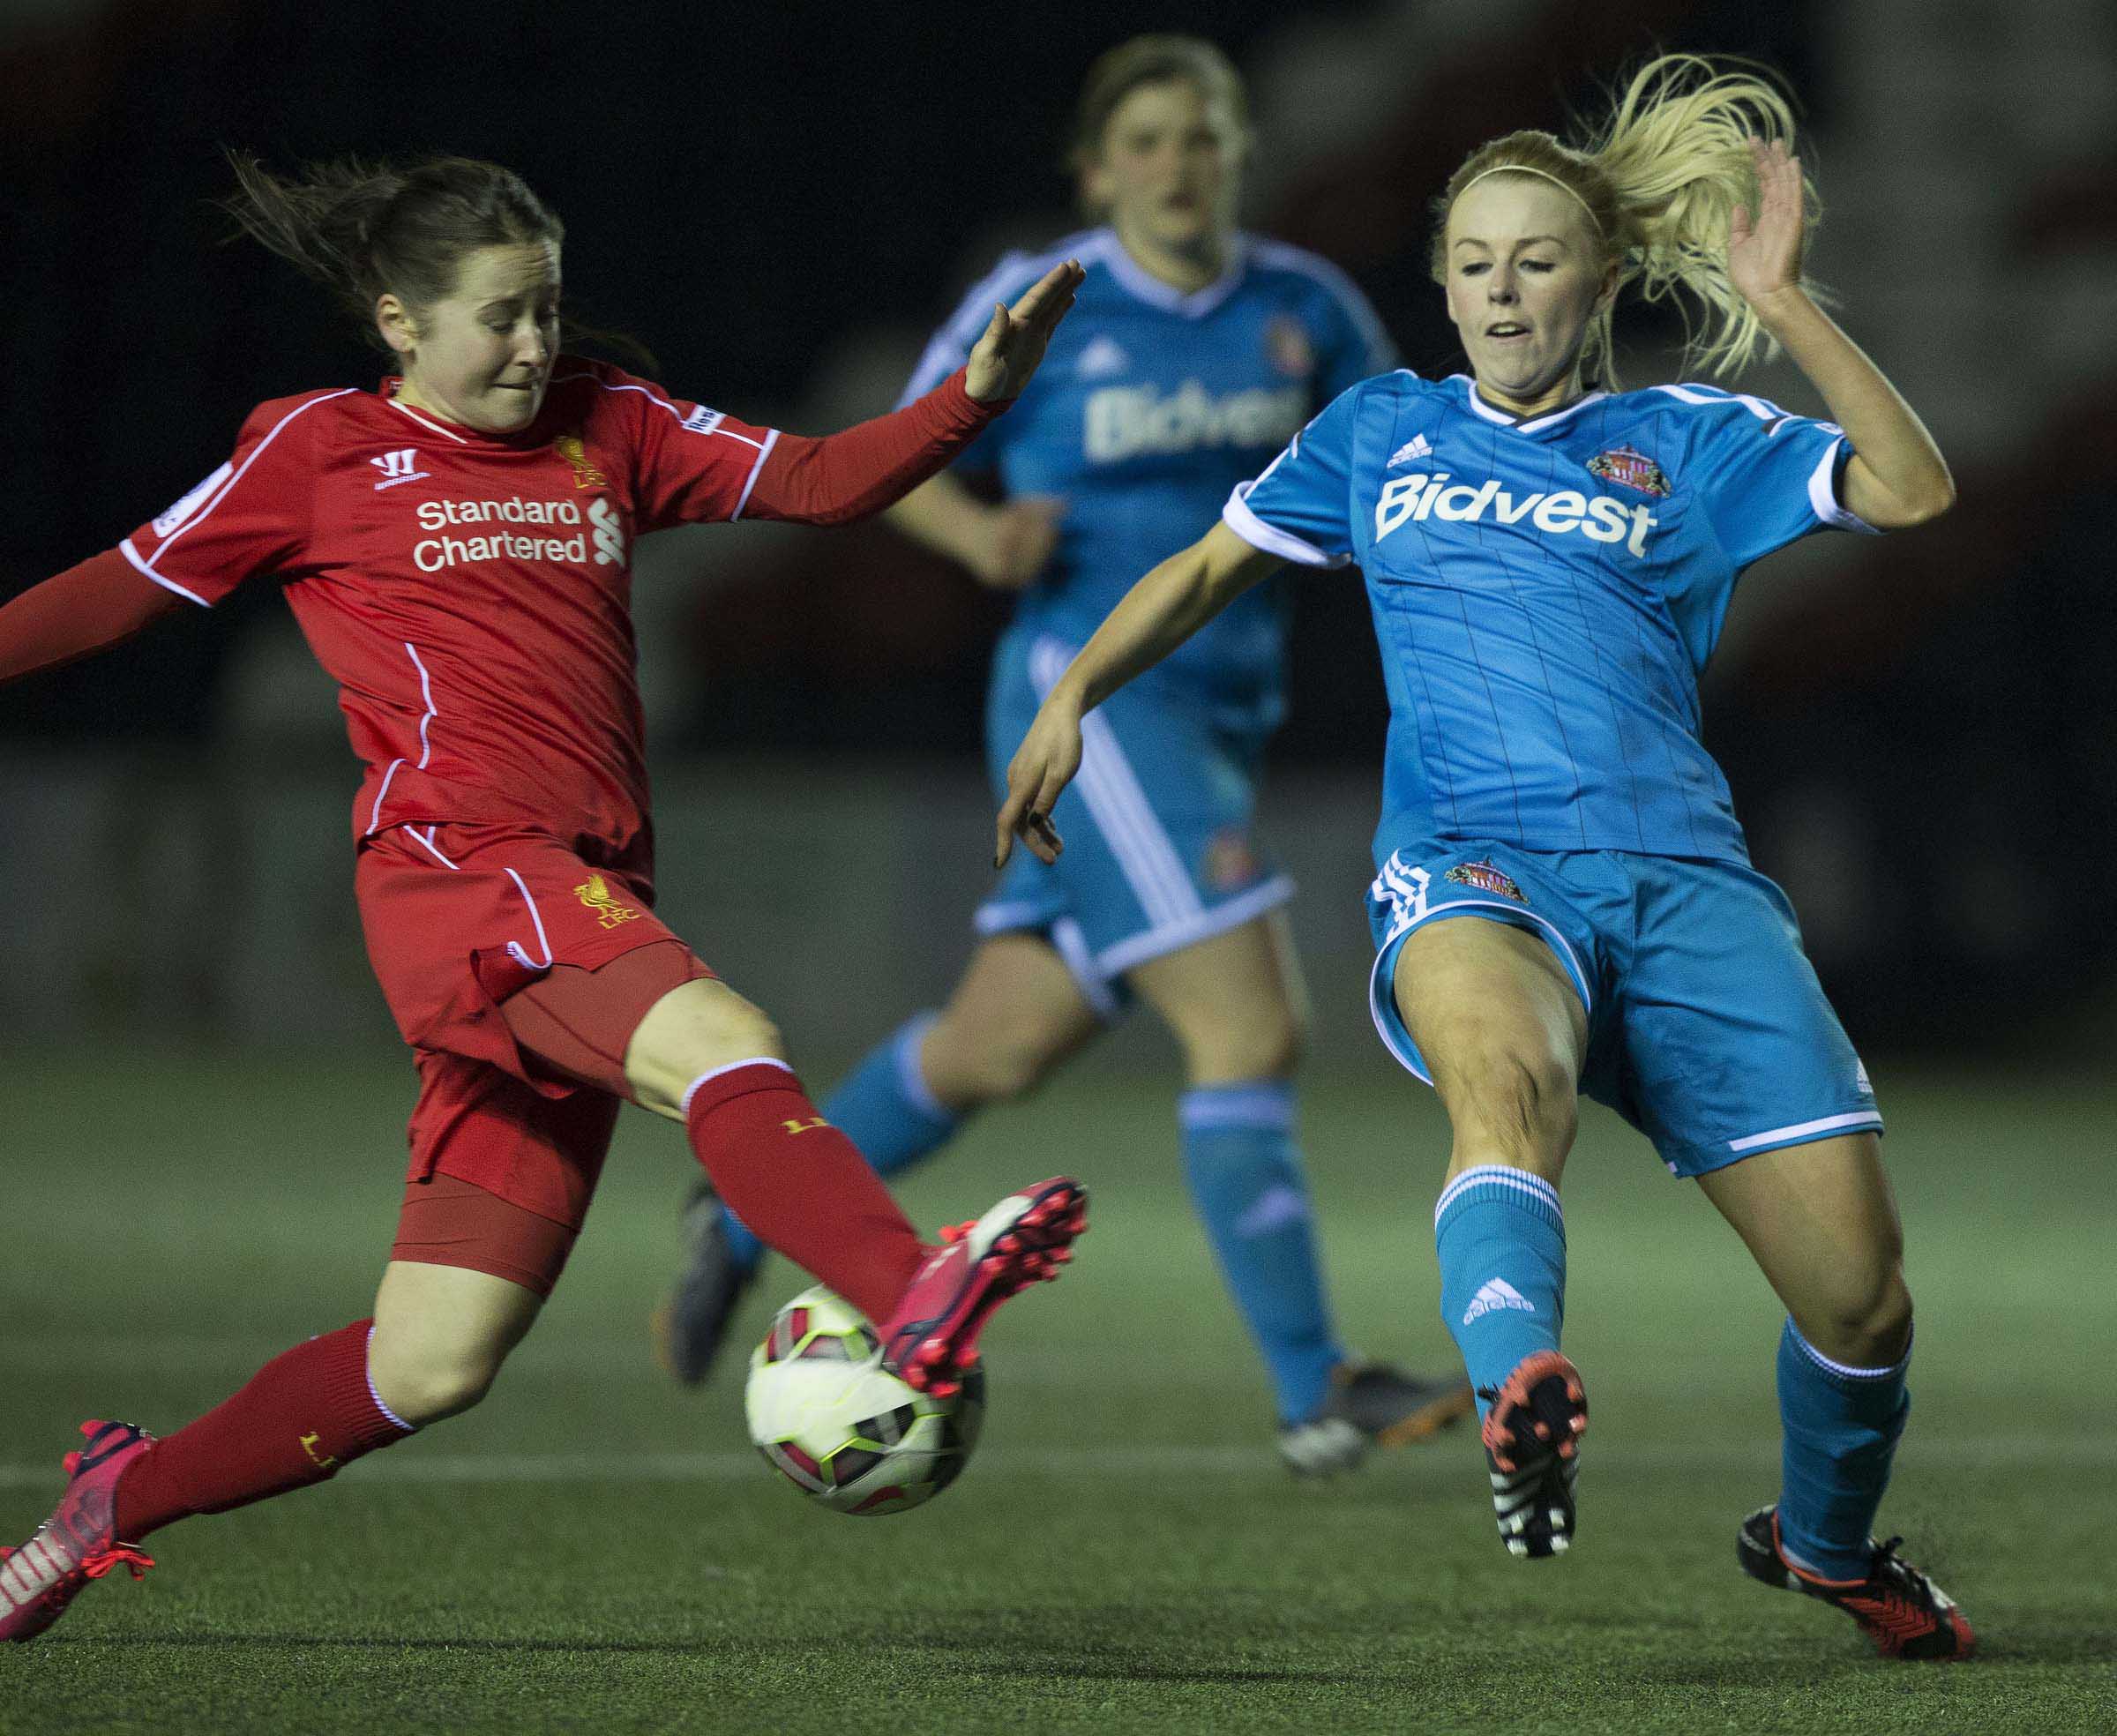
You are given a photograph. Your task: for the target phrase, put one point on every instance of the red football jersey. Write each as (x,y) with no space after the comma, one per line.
(471,593)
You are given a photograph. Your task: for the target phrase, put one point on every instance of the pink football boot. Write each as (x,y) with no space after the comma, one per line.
(78,1542)
(933,1337)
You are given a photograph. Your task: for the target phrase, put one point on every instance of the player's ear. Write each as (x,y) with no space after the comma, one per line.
(394,320)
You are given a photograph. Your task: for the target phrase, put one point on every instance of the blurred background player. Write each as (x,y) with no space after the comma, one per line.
(1195,352)
(1548,563)
(457,546)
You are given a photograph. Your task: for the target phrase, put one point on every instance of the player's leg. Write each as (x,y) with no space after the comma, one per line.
(1237,1005)
(1746,1081)
(1500,1027)
(1822,1226)
(1820,1221)
(1016,1015)
(467,1274)
(701,1055)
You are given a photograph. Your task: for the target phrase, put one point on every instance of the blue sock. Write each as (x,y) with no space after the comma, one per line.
(1501,1237)
(884,1108)
(1842,1426)
(1246,1180)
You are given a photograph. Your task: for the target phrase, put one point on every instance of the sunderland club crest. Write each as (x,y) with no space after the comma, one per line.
(1485,878)
(1632,469)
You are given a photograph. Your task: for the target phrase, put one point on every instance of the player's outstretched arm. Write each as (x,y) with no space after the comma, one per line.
(1155,615)
(1897,477)
(836,478)
(87,608)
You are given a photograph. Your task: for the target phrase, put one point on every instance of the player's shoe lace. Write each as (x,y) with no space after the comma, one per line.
(1897,1608)
(1371,1404)
(77,1543)
(693,1325)
(933,1337)
(1532,1436)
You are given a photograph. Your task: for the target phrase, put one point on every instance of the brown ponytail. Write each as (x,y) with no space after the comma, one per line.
(365,230)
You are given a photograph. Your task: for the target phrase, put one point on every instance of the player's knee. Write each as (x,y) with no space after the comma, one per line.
(675,1046)
(1260,1041)
(995,1067)
(431,1385)
(1865,1320)
(1521,1103)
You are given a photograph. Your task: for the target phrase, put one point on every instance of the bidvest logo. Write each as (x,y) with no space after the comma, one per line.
(1125,421)
(1604,518)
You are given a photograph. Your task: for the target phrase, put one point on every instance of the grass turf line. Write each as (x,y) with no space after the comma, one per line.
(1051,1590)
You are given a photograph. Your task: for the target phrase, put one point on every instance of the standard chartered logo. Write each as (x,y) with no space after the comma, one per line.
(1124,420)
(1601,519)
(609,533)
(518,529)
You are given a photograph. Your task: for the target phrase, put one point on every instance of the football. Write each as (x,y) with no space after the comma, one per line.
(840,1427)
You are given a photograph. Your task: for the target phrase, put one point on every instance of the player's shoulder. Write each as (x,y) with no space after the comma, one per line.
(312,412)
(1399,388)
(1705,407)
(1282,265)
(1019,267)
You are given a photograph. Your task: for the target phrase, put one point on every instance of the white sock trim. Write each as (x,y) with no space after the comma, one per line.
(1845,1370)
(706,1078)
(1500,1175)
(911,1073)
(367,1368)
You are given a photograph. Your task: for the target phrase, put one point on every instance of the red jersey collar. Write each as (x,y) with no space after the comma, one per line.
(534,435)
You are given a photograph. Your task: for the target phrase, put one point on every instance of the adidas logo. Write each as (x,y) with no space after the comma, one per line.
(1417,446)
(1493,1295)
(1102,356)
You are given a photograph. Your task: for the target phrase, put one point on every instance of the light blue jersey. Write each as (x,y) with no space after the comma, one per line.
(1149,406)
(1547,595)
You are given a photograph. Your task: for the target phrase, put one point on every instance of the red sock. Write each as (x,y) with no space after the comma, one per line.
(801,1184)
(304,1416)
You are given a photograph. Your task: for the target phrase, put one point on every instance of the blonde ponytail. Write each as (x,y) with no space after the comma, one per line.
(1660,180)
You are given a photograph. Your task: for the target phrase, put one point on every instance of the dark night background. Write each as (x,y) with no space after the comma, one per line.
(780,200)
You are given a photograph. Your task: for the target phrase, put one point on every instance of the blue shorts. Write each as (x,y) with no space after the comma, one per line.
(1159,825)
(1707,1027)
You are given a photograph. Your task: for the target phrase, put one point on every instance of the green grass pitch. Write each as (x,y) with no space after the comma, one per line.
(594,1550)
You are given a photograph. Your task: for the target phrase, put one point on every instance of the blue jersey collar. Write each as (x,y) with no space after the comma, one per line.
(1479,408)
(1143,285)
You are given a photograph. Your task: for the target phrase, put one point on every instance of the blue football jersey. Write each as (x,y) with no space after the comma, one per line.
(1546,594)
(1149,406)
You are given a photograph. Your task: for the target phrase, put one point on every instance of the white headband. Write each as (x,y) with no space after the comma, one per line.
(1541,174)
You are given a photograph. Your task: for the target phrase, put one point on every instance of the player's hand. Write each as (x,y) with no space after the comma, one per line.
(1014,342)
(1015,540)
(1042,766)
(1764,244)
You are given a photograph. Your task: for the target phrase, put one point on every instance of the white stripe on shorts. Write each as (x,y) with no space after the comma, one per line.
(1145,856)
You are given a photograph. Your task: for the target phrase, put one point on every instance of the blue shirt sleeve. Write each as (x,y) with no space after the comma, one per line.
(1300,508)
(1765,478)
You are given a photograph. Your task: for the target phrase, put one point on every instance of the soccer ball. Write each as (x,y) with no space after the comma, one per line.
(840,1427)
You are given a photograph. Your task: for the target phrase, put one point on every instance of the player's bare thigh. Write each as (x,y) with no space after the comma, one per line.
(689,1032)
(1014,1017)
(1503,1032)
(1236,1001)
(441,1334)
(1821,1220)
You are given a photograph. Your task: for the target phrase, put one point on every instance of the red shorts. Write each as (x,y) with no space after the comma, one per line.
(498,950)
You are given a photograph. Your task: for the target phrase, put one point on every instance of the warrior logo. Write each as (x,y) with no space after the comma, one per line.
(1631,469)
(1485,878)
(596,893)
(586,476)
(398,466)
